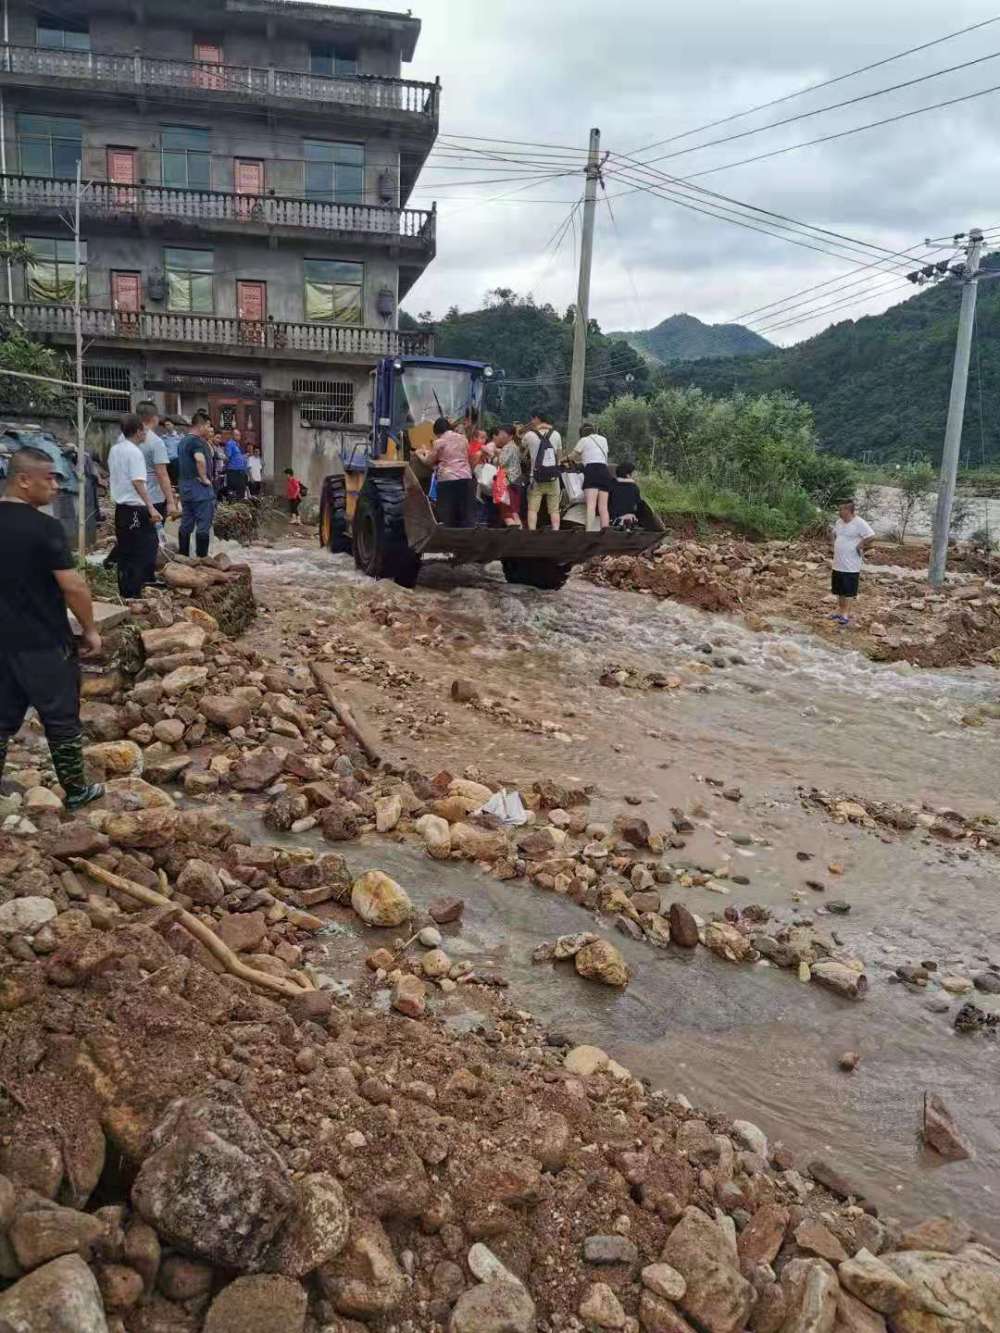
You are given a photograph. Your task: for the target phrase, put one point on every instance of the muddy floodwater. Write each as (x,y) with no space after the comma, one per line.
(775,712)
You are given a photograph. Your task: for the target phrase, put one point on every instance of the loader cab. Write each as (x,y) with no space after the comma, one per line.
(409,393)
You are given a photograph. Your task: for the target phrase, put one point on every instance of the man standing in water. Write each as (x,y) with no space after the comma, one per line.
(38,666)
(851,536)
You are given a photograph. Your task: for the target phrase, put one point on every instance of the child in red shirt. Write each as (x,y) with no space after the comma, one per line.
(293,494)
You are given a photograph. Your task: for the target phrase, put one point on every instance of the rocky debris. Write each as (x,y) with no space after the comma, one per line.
(601,961)
(379,900)
(716,1295)
(940,1131)
(940,823)
(59,1297)
(262,1303)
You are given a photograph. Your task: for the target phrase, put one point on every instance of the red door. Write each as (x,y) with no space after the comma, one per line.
(251,309)
(122,171)
(126,301)
(249,178)
(208,72)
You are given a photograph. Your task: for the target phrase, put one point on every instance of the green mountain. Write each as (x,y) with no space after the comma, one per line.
(685,338)
(533,346)
(879,385)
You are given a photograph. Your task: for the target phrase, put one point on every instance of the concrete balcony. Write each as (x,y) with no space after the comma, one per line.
(403,230)
(364,97)
(267,340)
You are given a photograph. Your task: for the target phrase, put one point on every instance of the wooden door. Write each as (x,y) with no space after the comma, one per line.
(208,71)
(126,301)
(123,172)
(241,413)
(251,310)
(248,176)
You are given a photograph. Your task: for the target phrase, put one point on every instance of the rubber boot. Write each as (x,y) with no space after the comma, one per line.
(201,542)
(67,760)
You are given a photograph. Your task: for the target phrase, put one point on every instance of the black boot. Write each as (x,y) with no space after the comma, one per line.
(67,760)
(201,542)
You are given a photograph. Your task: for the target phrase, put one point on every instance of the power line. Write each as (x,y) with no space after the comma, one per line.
(843,134)
(815,87)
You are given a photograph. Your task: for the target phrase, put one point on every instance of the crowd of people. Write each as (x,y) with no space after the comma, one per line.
(507,476)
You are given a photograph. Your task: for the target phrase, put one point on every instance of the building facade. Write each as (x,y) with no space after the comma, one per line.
(245,235)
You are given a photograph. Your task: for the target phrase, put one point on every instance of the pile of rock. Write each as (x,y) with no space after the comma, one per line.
(942,823)
(179,1153)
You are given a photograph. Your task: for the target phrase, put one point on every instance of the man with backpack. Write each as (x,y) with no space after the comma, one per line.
(544,445)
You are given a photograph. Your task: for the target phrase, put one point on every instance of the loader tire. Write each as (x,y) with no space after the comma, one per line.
(380,546)
(333,530)
(545,574)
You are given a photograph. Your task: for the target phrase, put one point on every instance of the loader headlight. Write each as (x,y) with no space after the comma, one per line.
(487,372)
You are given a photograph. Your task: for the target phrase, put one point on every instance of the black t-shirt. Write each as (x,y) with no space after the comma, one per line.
(624,499)
(32,608)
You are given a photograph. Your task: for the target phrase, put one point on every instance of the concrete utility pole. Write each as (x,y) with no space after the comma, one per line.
(583,292)
(81,470)
(956,411)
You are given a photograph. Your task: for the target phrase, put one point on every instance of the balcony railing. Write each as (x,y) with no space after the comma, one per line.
(254,82)
(150,328)
(102,199)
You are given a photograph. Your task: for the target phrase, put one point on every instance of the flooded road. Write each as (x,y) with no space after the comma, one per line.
(777,711)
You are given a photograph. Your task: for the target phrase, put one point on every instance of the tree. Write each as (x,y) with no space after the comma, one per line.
(20,353)
(913,488)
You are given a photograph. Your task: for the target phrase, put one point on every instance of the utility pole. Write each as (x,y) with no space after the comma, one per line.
(583,291)
(956,411)
(81,470)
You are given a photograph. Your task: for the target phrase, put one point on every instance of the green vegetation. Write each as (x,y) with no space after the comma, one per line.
(751,462)
(879,386)
(533,346)
(685,338)
(19,353)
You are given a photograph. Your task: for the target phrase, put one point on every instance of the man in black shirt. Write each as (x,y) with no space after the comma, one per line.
(38,666)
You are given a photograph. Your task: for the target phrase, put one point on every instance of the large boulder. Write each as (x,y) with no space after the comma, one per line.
(948,1293)
(118,759)
(263,1303)
(810,1287)
(317,1230)
(364,1280)
(213,1187)
(379,900)
(184,678)
(436,834)
(201,883)
(727,942)
(222,710)
(184,637)
(146,829)
(75,838)
(60,1297)
(23,916)
(40,1234)
(601,961)
(493,1307)
(717,1296)
(256,770)
(478,844)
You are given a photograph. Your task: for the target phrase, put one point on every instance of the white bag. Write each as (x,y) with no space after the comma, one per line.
(573,486)
(484,474)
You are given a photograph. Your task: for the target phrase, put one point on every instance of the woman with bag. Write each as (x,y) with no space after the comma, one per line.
(449,457)
(507,482)
(592,451)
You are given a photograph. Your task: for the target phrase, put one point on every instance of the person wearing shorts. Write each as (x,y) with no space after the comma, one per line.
(544,445)
(851,535)
(592,451)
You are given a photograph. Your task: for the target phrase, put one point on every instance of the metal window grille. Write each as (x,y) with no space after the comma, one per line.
(108,377)
(325,402)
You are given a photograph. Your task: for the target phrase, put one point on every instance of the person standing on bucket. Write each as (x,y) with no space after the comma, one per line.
(38,653)
(851,536)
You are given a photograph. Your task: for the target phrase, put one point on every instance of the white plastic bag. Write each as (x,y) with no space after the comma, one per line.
(485,473)
(506,806)
(573,486)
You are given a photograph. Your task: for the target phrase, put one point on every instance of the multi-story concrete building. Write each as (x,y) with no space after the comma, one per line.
(247,166)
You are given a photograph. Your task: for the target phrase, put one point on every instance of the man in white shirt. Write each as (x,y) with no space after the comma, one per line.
(851,535)
(135,515)
(544,445)
(255,467)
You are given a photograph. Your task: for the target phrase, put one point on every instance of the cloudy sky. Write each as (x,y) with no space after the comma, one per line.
(644,71)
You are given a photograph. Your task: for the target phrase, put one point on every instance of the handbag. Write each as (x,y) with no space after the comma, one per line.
(501,488)
(573,486)
(485,475)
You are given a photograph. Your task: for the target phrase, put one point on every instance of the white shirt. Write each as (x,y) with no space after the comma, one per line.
(125,465)
(592,449)
(847,537)
(255,465)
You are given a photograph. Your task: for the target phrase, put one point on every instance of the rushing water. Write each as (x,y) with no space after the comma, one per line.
(786,711)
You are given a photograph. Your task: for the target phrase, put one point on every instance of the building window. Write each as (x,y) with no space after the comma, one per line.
(186,157)
(325,402)
(333,61)
(48,145)
(50,274)
(108,377)
(62,35)
(189,281)
(335,172)
(333,291)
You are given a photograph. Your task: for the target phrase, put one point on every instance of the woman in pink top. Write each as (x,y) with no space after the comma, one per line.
(450,459)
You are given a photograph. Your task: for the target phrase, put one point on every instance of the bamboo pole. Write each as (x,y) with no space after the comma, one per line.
(229,960)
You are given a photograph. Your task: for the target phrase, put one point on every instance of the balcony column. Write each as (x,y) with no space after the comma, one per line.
(137,65)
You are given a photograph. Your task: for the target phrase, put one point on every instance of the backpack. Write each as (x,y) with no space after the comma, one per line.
(545,472)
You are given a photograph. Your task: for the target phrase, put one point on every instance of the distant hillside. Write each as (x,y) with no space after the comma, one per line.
(533,346)
(879,385)
(685,338)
